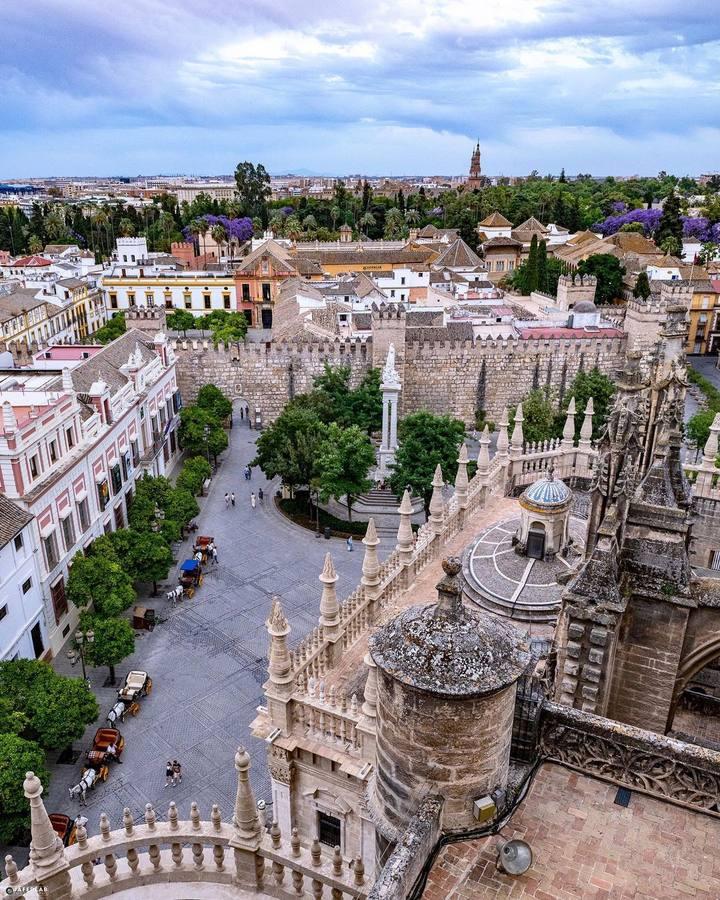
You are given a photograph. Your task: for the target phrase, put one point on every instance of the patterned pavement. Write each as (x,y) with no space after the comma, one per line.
(207,657)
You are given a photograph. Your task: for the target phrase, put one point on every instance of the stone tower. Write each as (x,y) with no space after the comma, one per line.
(474,179)
(446,682)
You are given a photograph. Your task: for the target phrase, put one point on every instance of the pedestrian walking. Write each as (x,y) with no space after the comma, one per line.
(214,555)
(260,495)
(227,500)
(232,498)
(169,773)
(242,413)
(249,471)
(349,543)
(252,499)
(177,772)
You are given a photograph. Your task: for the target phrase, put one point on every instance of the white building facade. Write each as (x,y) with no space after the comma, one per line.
(23,632)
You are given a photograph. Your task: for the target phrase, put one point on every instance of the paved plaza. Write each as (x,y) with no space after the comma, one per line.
(208,656)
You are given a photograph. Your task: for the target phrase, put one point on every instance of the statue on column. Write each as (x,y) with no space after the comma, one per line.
(390,387)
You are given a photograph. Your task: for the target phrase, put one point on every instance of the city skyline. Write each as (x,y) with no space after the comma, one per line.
(357,88)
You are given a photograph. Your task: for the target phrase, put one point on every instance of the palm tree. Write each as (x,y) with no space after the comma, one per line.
(334,215)
(309,222)
(412,216)
(219,235)
(127,228)
(367,220)
(277,223)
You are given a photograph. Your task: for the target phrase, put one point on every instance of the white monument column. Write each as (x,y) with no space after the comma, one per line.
(390,387)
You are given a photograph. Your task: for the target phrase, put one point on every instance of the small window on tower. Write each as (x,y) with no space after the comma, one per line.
(328,830)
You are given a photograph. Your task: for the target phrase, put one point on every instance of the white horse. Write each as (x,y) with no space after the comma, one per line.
(79,791)
(117,712)
(175,594)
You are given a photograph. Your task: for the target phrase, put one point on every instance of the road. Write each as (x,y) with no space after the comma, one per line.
(208,656)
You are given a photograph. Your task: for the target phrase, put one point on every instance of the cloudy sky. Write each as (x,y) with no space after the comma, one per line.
(373,86)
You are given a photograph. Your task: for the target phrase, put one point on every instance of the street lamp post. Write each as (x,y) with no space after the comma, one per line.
(82,638)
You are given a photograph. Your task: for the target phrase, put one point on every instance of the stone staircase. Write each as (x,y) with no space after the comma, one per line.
(382,506)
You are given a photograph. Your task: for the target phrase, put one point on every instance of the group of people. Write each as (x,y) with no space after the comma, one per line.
(209,553)
(229,499)
(173,773)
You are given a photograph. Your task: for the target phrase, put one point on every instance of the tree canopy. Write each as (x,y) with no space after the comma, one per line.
(181,320)
(424,441)
(289,446)
(193,474)
(344,459)
(17,757)
(335,401)
(201,432)
(114,639)
(111,330)
(609,272)
(100,581)
(538,417)
(212,399)
(583,386)
(253,187)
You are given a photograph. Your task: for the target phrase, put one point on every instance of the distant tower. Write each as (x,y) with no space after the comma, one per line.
(474,179)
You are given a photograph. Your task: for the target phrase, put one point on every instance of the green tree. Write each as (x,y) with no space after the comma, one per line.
(669,232)
(193,475)
(149,558)
(344,459)
(253,187)
(201,433)
(100,582)
(530,276)
(335,401)
(181,508)
(642,286)
(697,429)
(538,417)
(226,327)
(57,708)
(425,440)
(214,401)
(542,267)
(633,227)
(220,235)
(708,253)
(609,272)
(114,640)
(180,320)
(585,385)
(394,224)
(17,757)
(113,329)
(289,447)
(127,228)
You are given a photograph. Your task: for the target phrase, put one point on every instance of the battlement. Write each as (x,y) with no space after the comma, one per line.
(573,289)
(387,311)
(577,281)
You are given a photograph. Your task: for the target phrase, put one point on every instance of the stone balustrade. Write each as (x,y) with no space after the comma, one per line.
(241,855)
(328,717)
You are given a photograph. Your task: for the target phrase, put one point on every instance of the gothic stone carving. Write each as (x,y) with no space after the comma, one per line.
(654,765)
(280,764)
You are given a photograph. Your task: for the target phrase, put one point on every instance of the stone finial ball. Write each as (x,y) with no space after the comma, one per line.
(32,785)
(242,758)
(452,565)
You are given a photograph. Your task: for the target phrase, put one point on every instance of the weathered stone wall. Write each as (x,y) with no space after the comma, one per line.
(266,376)
(456,377)
(705,532)
(461,377)
(461,747)
(648,654)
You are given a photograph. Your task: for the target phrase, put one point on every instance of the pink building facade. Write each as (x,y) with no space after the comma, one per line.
(72,445)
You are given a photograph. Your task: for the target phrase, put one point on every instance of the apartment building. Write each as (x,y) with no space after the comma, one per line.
(73,441)
(23,632)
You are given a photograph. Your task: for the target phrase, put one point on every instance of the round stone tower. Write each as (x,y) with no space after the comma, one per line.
(446,680)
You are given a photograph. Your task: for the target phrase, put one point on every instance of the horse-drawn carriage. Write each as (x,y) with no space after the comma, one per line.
(202,545)
(191,576)
(104,739)
(137,685)
(64,828)
(143,618)
(89,777)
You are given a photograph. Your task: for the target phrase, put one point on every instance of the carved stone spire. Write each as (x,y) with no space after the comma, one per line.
(502,441)
(587,426)
(47,855)
(245,818)
(370,567)
(461,479)
(568,438)
(279,668)
(483,459)
(369,706)
(450,588)
(329,606)
(518,439)
(405,535)
(437,504)
(710,450)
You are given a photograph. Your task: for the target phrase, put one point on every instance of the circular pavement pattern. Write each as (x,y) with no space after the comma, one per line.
(503,582)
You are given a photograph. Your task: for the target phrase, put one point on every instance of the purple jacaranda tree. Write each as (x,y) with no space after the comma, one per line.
(238,230)
(695,227)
